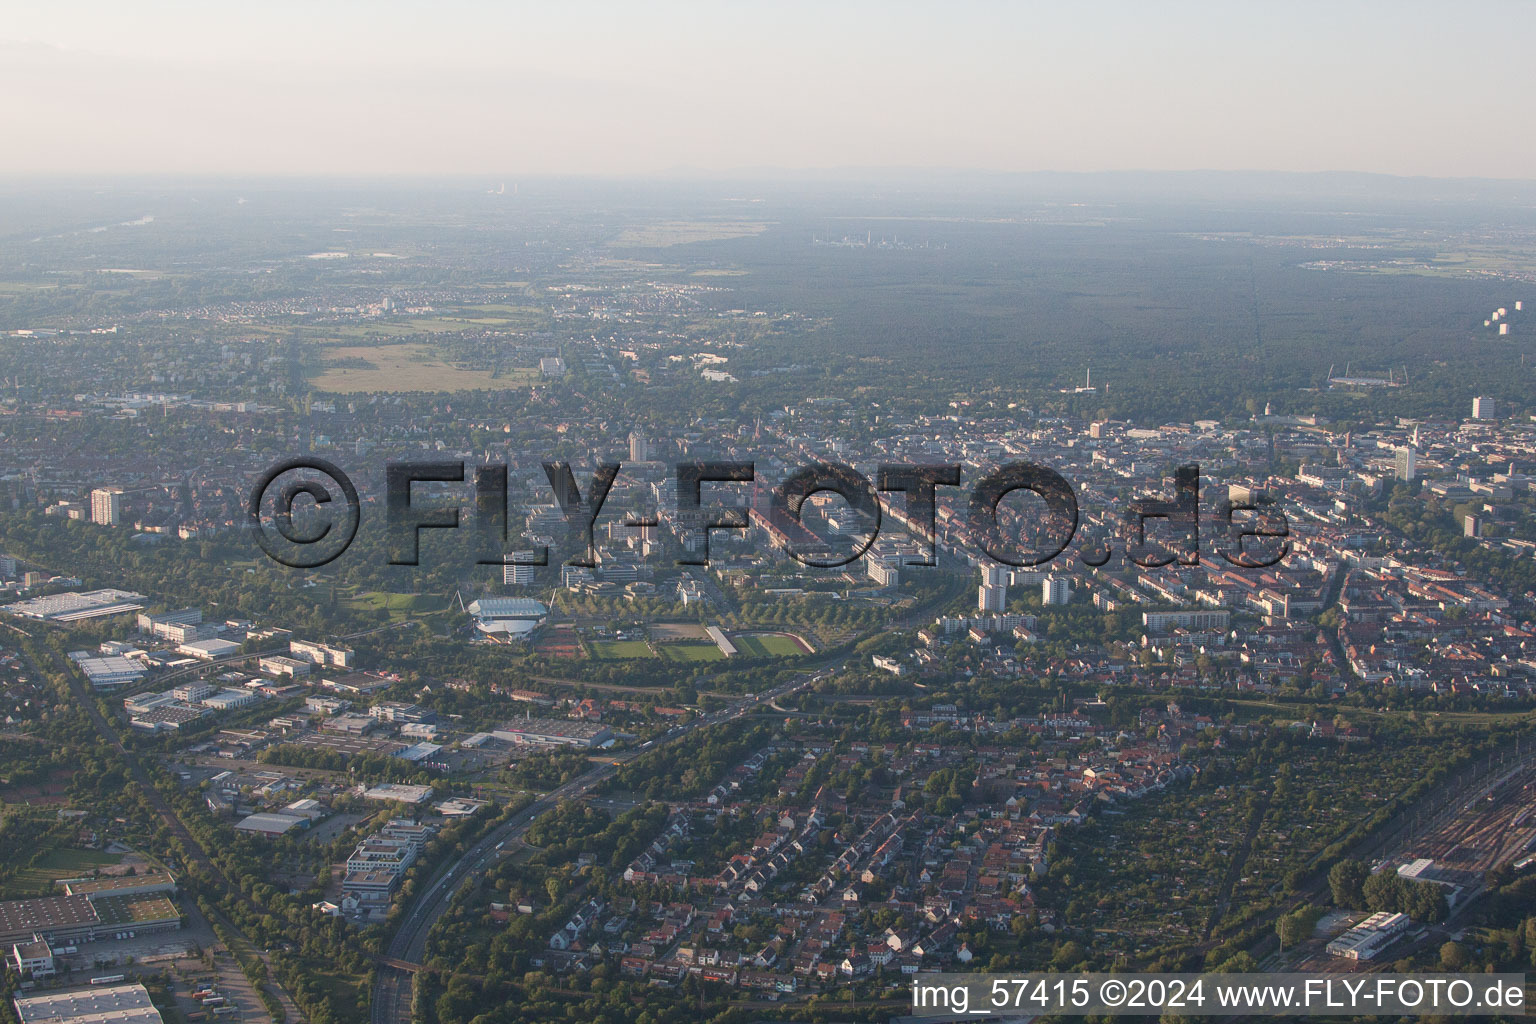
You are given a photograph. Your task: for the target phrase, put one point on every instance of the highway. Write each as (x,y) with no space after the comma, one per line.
(392,987)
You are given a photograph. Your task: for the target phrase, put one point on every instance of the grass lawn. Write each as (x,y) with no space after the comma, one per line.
(690,652)
(614,650)
(398,606)
(767,646)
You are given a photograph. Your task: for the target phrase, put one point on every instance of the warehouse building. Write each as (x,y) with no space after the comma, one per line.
(100,1004)
(554,732)
(1368,938)
(271,826)
(108,673)
(76,607)
(208,650)
(86,917)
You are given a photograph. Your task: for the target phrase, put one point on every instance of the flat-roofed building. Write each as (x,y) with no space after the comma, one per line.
(371,886)
(359,684)
(75,607)
(271,825)
(58,918)
(351,724)
(209,649)
(400,711)
(280,665)
(326,705)
(34,956)
(144,884)
(321,654)
(110,672)
(1367,939)
(107,506)
(1163,622)
(127,1003)
(194,692)
(397,791)
(228,699)
(553,732)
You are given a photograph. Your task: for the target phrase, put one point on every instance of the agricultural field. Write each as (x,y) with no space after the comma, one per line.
(362,368)
(51,866)
(678,232)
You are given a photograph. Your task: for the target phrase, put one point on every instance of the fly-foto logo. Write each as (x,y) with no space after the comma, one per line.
(1247,532)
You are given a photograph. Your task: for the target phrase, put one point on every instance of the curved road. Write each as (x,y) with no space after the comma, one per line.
(393,984)
(392,987)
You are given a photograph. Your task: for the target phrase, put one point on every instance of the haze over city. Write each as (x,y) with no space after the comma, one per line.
(756,513)
(672,88)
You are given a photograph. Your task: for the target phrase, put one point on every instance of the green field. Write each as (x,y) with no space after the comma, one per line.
(767,646)
(690,652)
(615,650)
(398,606)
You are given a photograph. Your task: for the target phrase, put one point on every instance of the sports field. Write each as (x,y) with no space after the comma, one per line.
(768,645)
(690,652)
(615,650)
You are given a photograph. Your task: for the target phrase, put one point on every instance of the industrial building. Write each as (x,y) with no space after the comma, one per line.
(209,649)
(271,825)
(1368,938)
(35,957)
(108,673)
(397,791)
(76,607)
(553,732)
(126,1003)
(87,914)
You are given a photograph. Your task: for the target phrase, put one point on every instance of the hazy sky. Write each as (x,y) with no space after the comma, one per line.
(456,86)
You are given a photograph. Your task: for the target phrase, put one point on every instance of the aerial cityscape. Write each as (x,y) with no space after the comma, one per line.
(744,596)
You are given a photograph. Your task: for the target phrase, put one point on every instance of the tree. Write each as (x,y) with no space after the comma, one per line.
(1453,956)
(1292,928)
(1346,880)
(1382,891)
